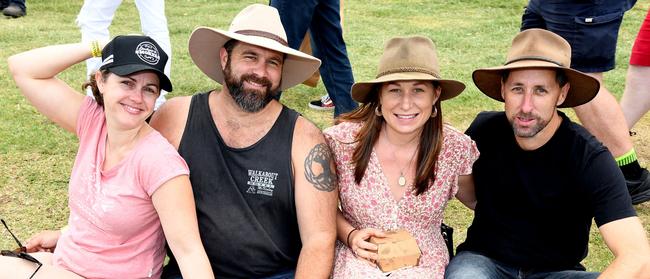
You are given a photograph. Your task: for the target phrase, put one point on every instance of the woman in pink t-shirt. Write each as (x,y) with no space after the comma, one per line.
(129,189)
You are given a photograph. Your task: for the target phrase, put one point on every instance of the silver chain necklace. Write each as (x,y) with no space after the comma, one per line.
(401,181)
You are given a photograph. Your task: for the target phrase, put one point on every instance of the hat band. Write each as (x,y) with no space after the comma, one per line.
(408,70)
(264,34)
(539,58)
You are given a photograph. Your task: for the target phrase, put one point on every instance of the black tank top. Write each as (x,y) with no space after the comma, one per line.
(244,196)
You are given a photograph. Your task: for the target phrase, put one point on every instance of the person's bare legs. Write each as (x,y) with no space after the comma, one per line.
(19,268)
(604,119)
(636,97)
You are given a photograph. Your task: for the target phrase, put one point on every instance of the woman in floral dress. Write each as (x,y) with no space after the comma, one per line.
(398,164)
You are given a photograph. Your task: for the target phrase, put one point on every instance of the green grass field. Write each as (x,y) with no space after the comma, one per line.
(36,156)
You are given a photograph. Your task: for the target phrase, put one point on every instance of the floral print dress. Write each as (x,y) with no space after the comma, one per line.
(370,204)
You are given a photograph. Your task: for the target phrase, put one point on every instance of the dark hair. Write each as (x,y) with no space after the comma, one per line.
(429,145)
(92,83)
(560,77)
(230,45)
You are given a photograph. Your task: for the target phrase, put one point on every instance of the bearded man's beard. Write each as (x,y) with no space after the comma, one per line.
(528,132)
(249,100)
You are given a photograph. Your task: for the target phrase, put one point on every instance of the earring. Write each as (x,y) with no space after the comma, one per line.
(377,111)
(434,113)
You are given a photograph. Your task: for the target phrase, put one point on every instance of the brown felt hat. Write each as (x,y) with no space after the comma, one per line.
(538,48)
(257,25)
(408,58)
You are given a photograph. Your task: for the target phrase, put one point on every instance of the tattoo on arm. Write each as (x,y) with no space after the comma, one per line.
(318,170)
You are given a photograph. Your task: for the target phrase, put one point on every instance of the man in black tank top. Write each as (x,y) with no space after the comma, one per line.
(263,178)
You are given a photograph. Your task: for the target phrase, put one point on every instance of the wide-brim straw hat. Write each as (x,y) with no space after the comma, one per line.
(257,25)
(408,58)
(539,48)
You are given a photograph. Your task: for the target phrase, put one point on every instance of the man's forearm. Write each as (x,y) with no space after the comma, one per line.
(627,268)
(627,240)
(316,260)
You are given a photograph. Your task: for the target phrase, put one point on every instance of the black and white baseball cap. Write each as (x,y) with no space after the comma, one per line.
(127,54)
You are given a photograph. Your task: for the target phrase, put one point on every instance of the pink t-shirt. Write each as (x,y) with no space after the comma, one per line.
(114,229)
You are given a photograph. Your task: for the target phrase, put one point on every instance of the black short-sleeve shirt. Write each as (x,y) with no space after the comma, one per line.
(534,208)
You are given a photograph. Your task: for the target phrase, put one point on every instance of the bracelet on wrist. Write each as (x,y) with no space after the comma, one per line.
(95,51)
(347,242)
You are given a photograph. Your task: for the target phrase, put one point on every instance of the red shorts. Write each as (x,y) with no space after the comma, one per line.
(641,49)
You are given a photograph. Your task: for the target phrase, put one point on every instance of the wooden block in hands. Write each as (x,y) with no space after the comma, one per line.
(397,250)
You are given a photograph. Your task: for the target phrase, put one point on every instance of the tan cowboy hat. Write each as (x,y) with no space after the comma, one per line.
(257,25)
(408,58)
(538,48)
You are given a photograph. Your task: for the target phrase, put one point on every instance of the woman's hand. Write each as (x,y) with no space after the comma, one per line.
(362,248)
(44,241)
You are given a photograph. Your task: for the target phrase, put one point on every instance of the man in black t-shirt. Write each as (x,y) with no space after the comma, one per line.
(541,179)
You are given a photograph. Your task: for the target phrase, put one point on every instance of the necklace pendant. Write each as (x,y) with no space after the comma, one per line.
(402,180)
